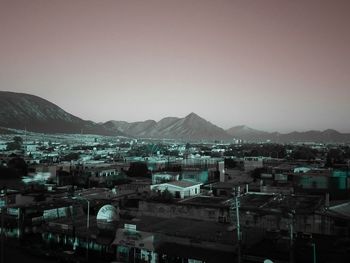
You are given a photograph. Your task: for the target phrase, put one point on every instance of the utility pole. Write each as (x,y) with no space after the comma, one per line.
(291,231)
(235,206)
(2,234)
(238,230)
(313,252)
(25,141)
(3,209)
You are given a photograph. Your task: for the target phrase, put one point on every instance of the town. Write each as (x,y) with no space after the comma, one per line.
(91,198)
(193,131)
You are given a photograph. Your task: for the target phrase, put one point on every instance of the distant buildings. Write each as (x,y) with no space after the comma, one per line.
(179,208)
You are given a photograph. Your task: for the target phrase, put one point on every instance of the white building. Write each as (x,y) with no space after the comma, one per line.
(158,178)
(3,146)
(180,189)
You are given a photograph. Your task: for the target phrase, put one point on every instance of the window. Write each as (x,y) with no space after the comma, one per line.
(222,219)
(211,213)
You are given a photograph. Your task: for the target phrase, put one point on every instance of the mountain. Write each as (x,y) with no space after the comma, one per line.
(192,128)
(6,131)
(24,111)
(316,136)
(135,129)
(248,134)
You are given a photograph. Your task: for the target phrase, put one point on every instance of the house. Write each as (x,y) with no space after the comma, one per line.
(205,208)
(158,178)
(153,239)
(180,189)
(197,175)
(322,181)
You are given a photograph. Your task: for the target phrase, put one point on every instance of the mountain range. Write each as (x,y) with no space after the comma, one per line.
(25,111)
(248,134)
(192,128)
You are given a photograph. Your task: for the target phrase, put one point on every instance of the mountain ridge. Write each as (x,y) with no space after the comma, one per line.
(26,111)
(191,127)
(246,133)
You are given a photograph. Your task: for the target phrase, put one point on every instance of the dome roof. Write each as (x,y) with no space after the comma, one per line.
(108,213)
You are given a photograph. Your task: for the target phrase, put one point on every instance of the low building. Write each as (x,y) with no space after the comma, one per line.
(158,178)
(180,189)
(251,163)
(206,208)
(154,239)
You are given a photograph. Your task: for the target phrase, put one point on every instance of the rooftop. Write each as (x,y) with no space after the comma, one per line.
(341,210)
(183,184)
(186,228)
(207,201)
(281,203)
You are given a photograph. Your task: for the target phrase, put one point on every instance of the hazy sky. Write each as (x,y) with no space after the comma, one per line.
(272,65)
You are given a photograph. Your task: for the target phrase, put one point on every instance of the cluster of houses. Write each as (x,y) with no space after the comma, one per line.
(90,209)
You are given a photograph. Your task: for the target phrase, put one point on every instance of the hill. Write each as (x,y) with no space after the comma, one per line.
(251,135)
(24,111)
(192,128)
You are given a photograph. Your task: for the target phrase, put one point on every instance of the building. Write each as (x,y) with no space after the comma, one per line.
(158,178)
(179,189)
(251,163)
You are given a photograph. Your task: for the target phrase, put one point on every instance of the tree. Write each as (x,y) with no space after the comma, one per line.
(335,156)
(230,163)
(16,144)
(18,139)
(167,196)
(138,169)
(303,153)
(71,156)
(19,165)
(164,197)
(256,173)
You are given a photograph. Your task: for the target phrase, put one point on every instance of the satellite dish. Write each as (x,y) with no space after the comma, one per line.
(107,216)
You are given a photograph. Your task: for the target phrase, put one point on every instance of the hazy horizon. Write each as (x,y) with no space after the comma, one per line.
(271,65)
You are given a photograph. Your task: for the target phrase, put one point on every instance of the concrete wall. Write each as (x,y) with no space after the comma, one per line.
(167,210)
(313,223)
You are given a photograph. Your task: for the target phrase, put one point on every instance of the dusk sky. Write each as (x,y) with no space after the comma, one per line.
(272,65)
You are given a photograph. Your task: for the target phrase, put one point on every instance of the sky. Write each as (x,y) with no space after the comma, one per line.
(273,65)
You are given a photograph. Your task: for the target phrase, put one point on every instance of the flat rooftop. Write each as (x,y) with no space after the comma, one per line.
(278,202)
(187,228)
(207,201)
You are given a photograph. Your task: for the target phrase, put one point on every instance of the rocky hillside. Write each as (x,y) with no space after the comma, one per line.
(192,128)
(24,111)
